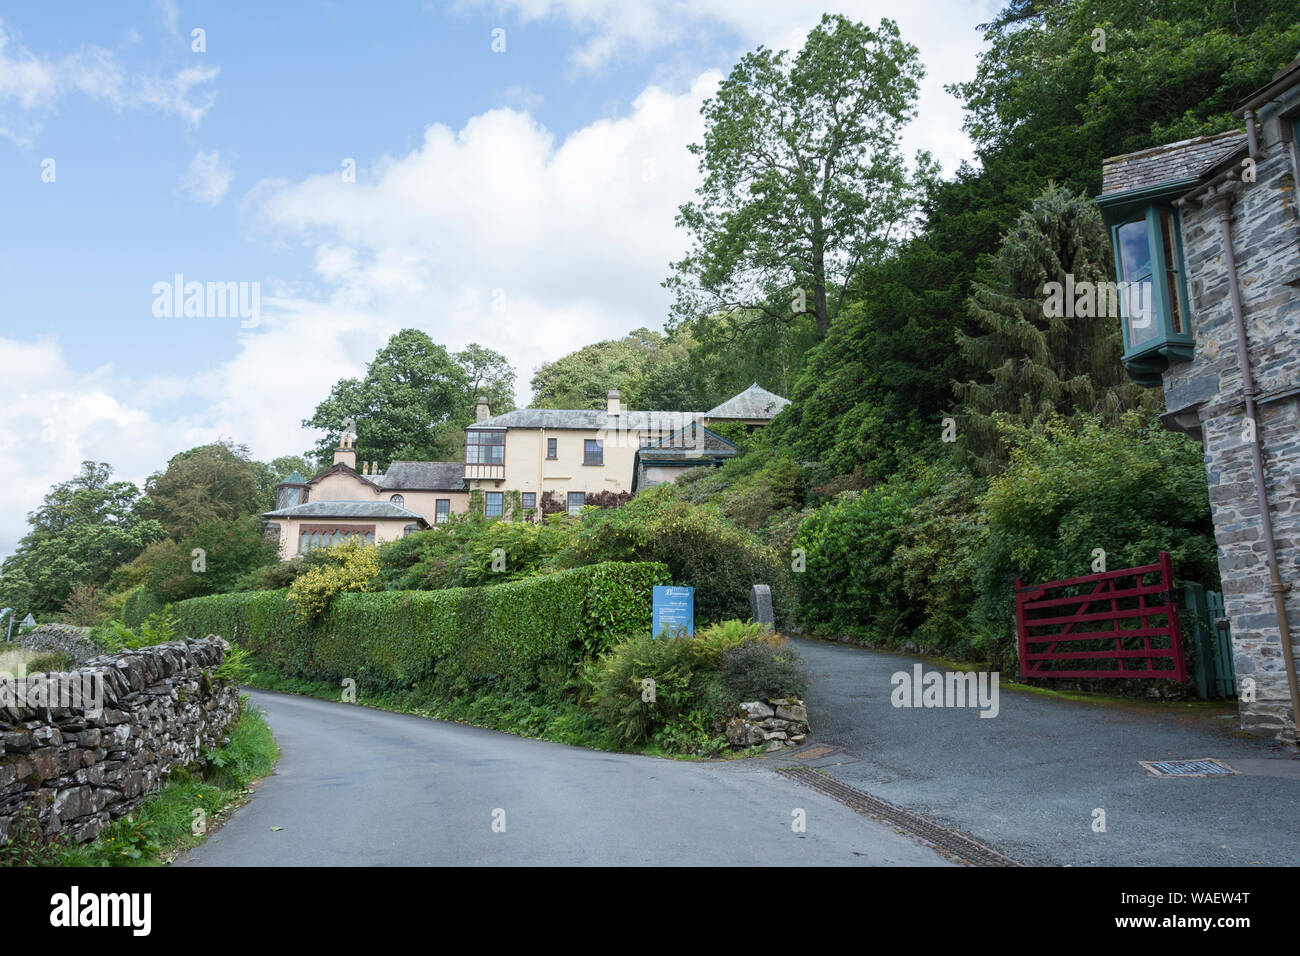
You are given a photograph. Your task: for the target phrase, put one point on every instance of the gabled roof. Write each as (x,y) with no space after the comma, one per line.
(340,468)
(1177,164)
(344,509)
(681,444)
(753,402)
(587,419)
(423,476)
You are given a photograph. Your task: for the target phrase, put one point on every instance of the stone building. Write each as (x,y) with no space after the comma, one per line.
(1206,234)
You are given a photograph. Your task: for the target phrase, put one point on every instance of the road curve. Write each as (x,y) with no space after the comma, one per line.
(363,787)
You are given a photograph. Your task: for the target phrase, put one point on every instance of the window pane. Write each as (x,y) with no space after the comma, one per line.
(492,504)
(550,448)
(1134,250)
(1172,267)
(442,508)
(398,500)
(529,499)
(592,452)
(576,500)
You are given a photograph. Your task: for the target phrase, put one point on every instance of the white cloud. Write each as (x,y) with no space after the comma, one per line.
(208,177)
(944,30)
(30,85)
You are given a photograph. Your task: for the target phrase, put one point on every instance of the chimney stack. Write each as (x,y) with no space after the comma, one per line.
(346,453)
(611,402)
(482,411)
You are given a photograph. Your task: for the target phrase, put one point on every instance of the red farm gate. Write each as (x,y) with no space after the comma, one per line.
(1114,624)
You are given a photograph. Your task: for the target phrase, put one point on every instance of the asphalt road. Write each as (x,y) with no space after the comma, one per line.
(362,787)
(1028,781)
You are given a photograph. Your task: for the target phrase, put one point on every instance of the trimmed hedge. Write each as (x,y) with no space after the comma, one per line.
(139,604)
(460,638)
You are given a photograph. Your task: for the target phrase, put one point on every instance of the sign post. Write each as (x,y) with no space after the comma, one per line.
(674,610)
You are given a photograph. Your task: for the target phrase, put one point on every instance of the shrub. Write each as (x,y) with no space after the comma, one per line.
(757,671)
(640,684)
(352,566)
(849,582)
(1073,486)
(82,607)
(678,689)
(701,548)
(53,663)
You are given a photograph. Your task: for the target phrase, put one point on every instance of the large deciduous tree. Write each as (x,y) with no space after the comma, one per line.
(803,179)
(84,529)
(410,391)
(208,483)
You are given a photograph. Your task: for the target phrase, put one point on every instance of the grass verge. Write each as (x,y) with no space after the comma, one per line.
(162,826)
(533,715)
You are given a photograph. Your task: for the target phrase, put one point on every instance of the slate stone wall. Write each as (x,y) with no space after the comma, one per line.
(1266,243)
(64,638)
(78,766)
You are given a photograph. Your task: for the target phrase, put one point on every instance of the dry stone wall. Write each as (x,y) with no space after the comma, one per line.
(81,749)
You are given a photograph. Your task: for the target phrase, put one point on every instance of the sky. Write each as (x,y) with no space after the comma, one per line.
(496,171)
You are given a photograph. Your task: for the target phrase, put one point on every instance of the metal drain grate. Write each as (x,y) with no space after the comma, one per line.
(941,838)
(1202,767)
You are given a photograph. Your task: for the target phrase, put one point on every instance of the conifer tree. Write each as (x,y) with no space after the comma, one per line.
(1035,359)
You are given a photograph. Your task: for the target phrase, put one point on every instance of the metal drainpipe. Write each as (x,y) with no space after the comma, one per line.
(1223,201)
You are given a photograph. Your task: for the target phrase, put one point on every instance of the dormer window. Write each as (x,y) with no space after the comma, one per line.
(1153,292)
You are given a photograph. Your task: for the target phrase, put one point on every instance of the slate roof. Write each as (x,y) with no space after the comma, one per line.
(753,402)
(1185,160)
(680,444)
(586,419)
(422,475)
(344,509)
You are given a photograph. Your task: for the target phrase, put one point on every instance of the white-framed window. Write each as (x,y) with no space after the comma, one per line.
(441,510)
(576,500)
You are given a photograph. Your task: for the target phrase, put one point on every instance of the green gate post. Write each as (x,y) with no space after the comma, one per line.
(1194,600)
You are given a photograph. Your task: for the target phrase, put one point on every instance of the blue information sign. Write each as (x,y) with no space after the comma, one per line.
(674,610)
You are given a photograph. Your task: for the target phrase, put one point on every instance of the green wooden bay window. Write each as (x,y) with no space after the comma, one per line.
(1153,302)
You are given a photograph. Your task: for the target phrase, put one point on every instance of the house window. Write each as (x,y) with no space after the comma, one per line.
(483,447)
(1153,293)
(492,504)
(593,452)
(441,510)
(528,500)
(398,500)
(311,537)
(550,449)
(410,529)
(576,500)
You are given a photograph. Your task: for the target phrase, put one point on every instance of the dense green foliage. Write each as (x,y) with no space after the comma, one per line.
(413,401)
(1034,365)
(642,686)
(929,556)
(515,635)
(84,529)
(699,546)
(803,181)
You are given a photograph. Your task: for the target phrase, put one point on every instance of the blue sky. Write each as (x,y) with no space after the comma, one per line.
(521,198)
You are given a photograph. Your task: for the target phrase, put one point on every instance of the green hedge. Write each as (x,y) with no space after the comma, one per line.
(139,604)
(461,638)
